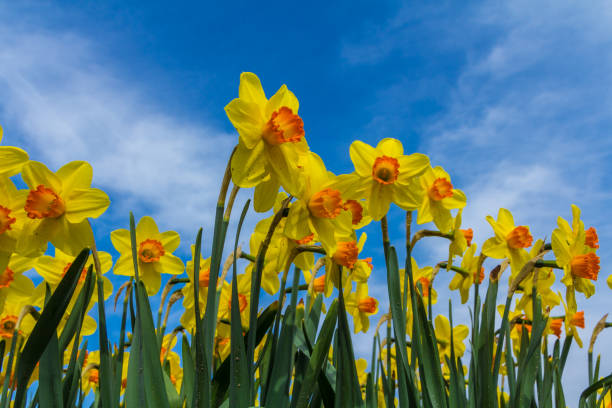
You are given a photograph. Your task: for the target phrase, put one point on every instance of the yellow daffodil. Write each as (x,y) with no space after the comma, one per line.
(443,335)
(271,140)
(360,216)
(460,240)
(15,287)
(464,281)
(438,197)
(319,209)
(188,317)
(576,256)
(422,276)
(573,320)
(383,175)
(361,306)
(244,299)
(154,250)
(53,269)
(58,205)
(344,262)
(509,242)
(279,250)
(12,218)
(12,159)
(545,280)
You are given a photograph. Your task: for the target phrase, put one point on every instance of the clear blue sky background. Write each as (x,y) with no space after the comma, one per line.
(514,100)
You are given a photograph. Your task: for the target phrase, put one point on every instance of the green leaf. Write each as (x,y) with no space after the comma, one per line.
(188,373)
(50,372)
(46,326)
(346,374)
(318,356)
(239,380)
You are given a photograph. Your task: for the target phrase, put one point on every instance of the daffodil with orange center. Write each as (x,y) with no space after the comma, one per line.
(188,317)
(345,263)
(154,251)
(464,281)
(271,140)
(12,219)
(58,206)
(244,299)
(279,249)
(360,305)
(459,243)
(509,242)
(438,197)
(578,260)
(573,320)
(319,209)
(360,216)
(15,287)
(421,277)
(555,325)
(54,268)
(383,175)
(12,159)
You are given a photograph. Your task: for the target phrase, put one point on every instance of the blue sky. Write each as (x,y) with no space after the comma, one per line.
(514,100)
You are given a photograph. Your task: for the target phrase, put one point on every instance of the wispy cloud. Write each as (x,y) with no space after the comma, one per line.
(65,101)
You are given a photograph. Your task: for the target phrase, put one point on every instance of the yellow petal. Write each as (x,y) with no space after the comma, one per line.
(85,203)
(246,118)
(150,277)
(248,165)
(251,90)
(121,241)
(76,174)
(411,166)
(124,265)
(171,264)
(72,238)
(494,248)
(560,248)
(282,97)
(390,147)
(458,200)
(265,194)
(407,198)
(12,160)
(146,229)
(379,200)
(363,156)
(35,173)
(170,240)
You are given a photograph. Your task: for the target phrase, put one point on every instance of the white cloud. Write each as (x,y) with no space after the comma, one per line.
(65,101)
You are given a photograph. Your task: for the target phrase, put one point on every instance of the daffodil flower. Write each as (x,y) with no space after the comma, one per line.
(12,218)
(578,260)
(443,336)
(422,276)
(58,205)
(438,198)
(12,159)
(509,241)
(244,299)
(361,306)
(154,250)
(319,209)
(383,175)
(279,250)
(15,287)
(463,282)
(188,317)
(573,320)
(271,140)
(460,240)
(53,269)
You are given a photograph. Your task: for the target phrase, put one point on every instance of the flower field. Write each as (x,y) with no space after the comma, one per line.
(232,348)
